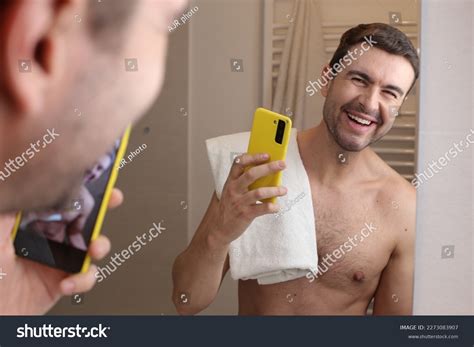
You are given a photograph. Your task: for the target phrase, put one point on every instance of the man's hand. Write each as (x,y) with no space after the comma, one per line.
(30,288)
(238,206)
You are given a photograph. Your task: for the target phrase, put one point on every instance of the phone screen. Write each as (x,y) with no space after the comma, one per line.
(60,238)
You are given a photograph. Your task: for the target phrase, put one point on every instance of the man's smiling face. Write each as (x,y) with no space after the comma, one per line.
(362,99)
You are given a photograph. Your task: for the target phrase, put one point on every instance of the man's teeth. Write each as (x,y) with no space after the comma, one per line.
(359,120)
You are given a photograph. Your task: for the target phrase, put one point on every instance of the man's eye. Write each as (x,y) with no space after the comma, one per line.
(358,80)
(390,93)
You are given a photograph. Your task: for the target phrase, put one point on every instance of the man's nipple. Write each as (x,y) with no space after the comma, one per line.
(358,276)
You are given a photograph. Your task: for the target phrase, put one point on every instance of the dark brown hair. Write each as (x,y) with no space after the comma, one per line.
(106,19)
(110,15)
(388,38)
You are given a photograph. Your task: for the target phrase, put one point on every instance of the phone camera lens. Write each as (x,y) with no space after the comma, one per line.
(280,132)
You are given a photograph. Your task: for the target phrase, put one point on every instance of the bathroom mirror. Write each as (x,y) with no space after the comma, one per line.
(225,59)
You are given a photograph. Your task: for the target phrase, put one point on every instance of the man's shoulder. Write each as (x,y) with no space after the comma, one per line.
(398,199)
(395,194)
(398,193)
(396,204)
(393,183)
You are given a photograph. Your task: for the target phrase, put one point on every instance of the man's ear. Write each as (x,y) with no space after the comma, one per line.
(33,51)
(325,80)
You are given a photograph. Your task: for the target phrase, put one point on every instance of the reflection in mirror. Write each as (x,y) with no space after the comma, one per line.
(345,220)
(340,238)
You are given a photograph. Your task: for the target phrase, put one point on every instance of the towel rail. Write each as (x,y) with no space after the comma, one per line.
(337,36)
(396,150)
(350,25)
(400,163)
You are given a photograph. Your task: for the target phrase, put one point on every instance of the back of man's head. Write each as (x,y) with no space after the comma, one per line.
(86,69)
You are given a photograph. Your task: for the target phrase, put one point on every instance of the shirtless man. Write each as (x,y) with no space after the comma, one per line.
(62,68)
(346,196)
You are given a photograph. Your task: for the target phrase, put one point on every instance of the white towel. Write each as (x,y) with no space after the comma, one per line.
(275,247)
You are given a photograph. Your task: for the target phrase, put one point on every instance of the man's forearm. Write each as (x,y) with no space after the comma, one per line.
(197,273)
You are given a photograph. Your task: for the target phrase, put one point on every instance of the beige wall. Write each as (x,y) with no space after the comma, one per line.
(221,101)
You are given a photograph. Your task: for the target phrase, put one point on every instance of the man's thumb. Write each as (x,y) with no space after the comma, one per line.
(7,222)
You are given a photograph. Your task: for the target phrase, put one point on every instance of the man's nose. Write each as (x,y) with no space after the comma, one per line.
(369,101)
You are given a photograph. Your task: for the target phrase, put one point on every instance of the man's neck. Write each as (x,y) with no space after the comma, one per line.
(329,163)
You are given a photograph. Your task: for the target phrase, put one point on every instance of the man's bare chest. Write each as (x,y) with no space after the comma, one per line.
(353,239)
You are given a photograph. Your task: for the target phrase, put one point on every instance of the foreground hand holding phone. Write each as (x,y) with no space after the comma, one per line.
(30,288)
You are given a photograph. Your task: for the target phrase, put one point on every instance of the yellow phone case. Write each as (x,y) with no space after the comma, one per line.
(262,140)
(105,201)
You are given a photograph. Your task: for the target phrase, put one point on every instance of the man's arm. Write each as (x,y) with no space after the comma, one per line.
(198,271)
(394,295)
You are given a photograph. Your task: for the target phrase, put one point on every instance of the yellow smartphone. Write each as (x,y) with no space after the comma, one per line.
(61,238)
(270,134)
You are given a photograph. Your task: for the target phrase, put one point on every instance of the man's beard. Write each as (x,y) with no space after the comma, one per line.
(62,200)
(330,114)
